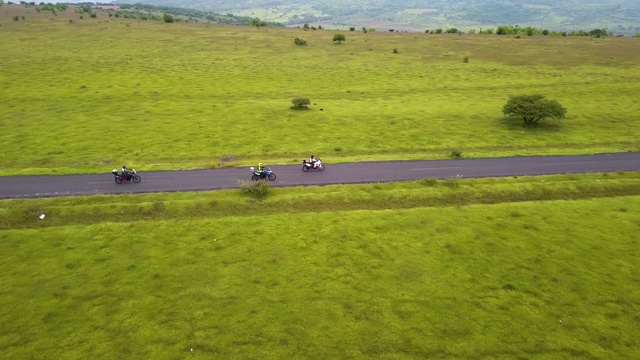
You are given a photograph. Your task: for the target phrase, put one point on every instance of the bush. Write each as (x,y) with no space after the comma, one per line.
(455,153)
(453,181)
(93,15)
(168,18)
(352,29)
(300,103)
(339,38)
(429,181)
(395,50)
(466,60)
(256,189)
(300,42)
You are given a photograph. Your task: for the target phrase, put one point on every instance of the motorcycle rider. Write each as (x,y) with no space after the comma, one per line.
(126,172)
(312,161)
(260,170)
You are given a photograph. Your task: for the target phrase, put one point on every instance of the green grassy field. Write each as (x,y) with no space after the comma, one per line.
(466,271)
(88,95)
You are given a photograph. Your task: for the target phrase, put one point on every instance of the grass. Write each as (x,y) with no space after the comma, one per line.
(24,213)
(96,93)
(510,279)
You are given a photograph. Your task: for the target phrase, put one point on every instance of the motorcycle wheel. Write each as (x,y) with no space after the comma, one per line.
(137,179)
(255,177)
(305,168)
(272,177)
(321,167)
(118,180)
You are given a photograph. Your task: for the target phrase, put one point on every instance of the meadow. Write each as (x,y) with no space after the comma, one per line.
(470,270)
(525,267)
(85,95)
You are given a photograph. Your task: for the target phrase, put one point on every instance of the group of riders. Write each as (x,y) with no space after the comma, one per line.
(260,169)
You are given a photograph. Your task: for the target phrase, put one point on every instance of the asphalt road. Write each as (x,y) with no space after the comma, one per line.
(292,175)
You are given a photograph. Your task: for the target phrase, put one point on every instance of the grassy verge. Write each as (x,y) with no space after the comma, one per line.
(554,279)
(94,94)
(24,213)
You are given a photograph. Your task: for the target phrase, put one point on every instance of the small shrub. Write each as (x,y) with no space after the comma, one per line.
(456,154)
(256,189)
(16,18)
(93,15)
(395,50)
(300,103)
(70,21)
(337,149)
(429,181)
(453,181)
(466,60)
(352,29)
(300,42)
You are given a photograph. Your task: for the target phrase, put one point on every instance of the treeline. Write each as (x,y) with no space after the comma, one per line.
(523,31)
(152,12)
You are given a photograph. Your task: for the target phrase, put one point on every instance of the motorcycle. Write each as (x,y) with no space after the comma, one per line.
(267,173)
(131,175)
(306,166)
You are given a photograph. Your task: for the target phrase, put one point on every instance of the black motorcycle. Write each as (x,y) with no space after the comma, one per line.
(130,175)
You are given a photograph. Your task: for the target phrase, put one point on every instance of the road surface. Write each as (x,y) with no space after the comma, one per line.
(292,175)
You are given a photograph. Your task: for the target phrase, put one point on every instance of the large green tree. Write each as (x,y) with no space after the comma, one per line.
(533,108)
(339,38)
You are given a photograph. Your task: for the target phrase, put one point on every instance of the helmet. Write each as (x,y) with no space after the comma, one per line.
(259,164)
(124,166)
(313,155)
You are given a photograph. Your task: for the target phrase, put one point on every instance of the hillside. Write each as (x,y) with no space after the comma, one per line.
(618,16)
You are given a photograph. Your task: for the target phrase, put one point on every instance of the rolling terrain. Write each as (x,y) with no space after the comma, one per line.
(618,16)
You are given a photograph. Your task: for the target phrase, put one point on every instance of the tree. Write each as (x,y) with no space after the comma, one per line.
(300,103)
(533,108)
(168,18)
(339,38)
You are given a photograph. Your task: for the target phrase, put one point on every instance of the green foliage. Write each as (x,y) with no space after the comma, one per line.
(429,181)
(305,26)
(339,38)
(453,182)
(395,50)
(168,18)
(256,189)
(300,42)
(93,15)
(465,60)
(352,29)
(300,103)
(438,31)
(452,31)
(533,108)
(455,153)
(257,22)
(599,33)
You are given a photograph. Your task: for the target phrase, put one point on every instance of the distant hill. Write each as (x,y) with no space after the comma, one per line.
(617,16)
